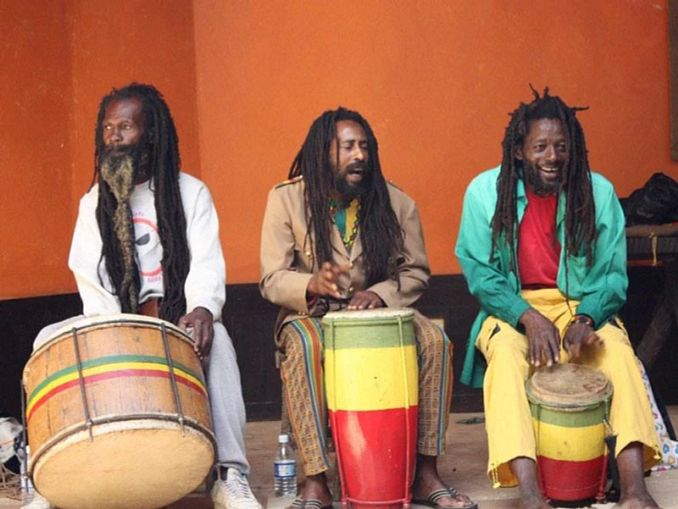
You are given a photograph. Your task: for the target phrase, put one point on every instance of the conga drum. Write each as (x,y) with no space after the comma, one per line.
(371,380)
(570,406)
(117,414)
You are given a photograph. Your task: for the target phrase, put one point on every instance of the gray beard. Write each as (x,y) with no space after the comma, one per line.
(118,170)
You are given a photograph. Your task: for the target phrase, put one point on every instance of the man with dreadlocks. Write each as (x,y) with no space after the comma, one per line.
(542,247)
(147,241)
(338,236)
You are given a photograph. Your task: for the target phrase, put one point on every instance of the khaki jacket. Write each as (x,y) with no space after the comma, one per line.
(287,260)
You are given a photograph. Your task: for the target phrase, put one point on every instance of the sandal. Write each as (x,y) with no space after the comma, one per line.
(311,503)
(435,496)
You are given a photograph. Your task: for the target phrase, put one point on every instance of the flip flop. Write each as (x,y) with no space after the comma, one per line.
(435,496)
(311,503)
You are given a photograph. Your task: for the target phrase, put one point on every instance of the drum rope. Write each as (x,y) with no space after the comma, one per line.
(600,496)
(542,481)
(403,365)
(173,381)
(333,420)
(81,380)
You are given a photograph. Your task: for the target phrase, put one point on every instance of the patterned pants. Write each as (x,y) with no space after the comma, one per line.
(301,342)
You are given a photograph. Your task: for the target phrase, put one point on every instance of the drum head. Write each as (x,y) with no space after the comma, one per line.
(564,386)
(370,314)
(142,464)
(120,319)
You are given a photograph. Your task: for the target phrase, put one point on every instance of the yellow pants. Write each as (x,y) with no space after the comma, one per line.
(507,413)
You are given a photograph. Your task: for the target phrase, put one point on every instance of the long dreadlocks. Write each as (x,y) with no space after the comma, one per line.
(380,232)
(162,145)
(580,228)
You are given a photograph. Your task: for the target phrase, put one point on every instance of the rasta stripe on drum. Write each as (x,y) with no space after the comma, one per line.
(116,366)
(372,378)
(571,480)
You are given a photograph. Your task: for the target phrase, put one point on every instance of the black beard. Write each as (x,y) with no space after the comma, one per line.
(535,182)
(114,158)
(347,190)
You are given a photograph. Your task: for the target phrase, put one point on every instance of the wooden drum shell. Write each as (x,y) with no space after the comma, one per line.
(570,405)
(111,415)
(371,379)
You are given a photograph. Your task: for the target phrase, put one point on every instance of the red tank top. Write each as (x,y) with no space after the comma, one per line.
(538,247)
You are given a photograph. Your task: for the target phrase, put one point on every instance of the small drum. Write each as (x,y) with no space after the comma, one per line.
(117,415)
(570,406)
(371,379)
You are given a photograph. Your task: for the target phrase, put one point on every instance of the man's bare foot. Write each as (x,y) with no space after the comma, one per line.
(315,487)
(634,494)
(525,469)
(533,501)
(429,489)
(641,501)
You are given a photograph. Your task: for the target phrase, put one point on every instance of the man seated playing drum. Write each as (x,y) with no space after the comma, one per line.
(542,247)
(338,236)
(146,241)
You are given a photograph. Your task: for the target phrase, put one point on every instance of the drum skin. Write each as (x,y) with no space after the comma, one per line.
(371,380)
(138,450)
(569,405)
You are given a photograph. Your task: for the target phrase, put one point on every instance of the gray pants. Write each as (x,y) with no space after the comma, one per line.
(225,392)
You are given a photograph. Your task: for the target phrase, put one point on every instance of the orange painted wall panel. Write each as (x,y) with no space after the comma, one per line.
(35,150)
(62,57)
(244,80)
(148,41)
(436,80)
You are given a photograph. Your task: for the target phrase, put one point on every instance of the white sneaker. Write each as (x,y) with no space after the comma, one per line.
(233,493)
(37,501)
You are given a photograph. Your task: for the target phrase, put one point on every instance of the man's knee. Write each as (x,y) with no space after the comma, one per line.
(430,335)
(292,342)
(506,347)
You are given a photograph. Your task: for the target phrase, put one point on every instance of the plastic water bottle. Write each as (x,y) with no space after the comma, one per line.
(284,469)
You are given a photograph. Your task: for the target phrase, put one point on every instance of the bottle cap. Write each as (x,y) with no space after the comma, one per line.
(283,439)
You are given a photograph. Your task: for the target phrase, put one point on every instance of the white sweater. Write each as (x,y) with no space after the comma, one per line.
(206,282)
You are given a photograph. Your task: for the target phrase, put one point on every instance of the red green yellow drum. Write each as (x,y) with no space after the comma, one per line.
(371,379)
(117,415)
(570,405)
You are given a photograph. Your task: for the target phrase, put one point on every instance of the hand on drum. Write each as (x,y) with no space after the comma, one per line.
(324,282)
(200,320)
(578,336)
(365,300)
(543,338)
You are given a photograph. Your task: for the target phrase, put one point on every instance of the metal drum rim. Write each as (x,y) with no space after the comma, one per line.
(117,320)
(340,318)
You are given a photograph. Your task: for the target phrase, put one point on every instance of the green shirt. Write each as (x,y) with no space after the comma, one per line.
(600,288)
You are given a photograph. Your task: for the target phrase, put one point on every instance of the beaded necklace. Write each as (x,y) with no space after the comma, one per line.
(347,220)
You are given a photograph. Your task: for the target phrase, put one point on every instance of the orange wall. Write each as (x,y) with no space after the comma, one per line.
(148,41)
(64,57)
(244,80)
(35,149)
(435,79)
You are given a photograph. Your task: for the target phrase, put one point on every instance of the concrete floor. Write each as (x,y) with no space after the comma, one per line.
(463,467)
